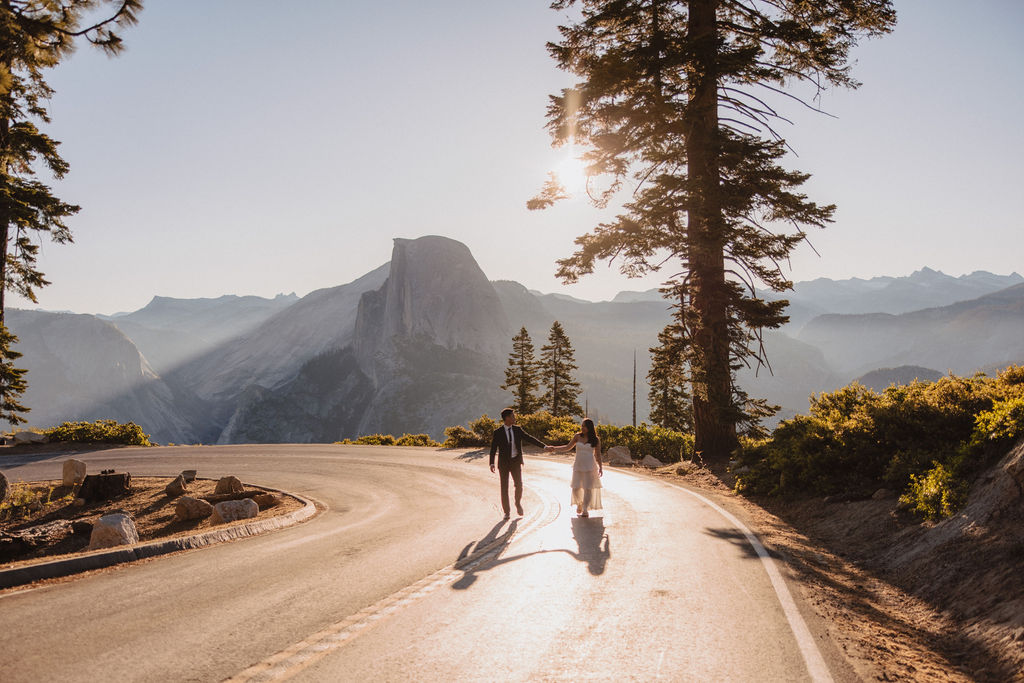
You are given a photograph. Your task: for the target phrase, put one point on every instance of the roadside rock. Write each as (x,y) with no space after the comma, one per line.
(26,436)
(266,500)
(105,486)
(229,485)
(74,472)
(187,508)
(618,455)
(189,475)
(233,510)
(5,487)
(882,494)
(176,488)
(651,461)
(113,530)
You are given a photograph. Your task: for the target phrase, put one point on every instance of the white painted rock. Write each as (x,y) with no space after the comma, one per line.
(618,455)
(26,436)
(113,530)
(74,472)
(229,485)
(651,461)
(187,508)
(233,510)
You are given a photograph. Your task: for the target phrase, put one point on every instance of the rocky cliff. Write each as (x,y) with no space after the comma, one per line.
(82,368)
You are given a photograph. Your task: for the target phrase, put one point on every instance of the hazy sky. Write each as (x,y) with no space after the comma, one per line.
(256,147)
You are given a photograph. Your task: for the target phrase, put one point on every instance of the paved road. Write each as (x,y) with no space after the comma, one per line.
(661,585)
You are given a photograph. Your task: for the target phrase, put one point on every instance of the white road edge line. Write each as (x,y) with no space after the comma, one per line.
(813,660)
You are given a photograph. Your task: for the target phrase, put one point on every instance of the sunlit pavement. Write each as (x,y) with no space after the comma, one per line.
(658,585)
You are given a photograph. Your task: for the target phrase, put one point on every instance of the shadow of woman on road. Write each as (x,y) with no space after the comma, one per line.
(594,548)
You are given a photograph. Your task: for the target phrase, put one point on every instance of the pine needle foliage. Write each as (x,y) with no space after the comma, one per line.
(558,365)
(523,374)
(35,36)
(682,100)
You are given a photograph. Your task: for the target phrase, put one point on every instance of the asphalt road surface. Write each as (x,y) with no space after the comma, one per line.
(410,573)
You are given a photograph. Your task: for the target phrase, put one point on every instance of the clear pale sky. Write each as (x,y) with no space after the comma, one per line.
(257,147)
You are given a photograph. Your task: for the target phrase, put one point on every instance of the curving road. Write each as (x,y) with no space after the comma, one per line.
(410,574)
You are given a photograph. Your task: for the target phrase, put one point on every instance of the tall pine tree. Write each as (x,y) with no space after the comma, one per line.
(522,376)
(683,98)
(558,363)
(35,36)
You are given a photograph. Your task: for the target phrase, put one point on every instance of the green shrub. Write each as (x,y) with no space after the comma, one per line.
(1003,423)
(936,494)
(375,440)
(856,440)
(416,440)
(460,437)
(666,445)
(548,428)
(100,431)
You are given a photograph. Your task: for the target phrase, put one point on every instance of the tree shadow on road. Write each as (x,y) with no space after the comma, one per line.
(593,547)
(478,454)
(740,540)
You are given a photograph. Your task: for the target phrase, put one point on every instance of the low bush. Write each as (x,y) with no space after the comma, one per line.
(100,431)
(666,445)
(920,439)
(936,494)
(416,440)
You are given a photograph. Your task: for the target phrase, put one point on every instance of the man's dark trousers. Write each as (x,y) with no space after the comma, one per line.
(516,470)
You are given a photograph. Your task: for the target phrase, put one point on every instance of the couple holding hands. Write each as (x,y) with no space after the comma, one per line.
(507,442)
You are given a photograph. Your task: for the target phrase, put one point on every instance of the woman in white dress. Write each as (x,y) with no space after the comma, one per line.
(586,470)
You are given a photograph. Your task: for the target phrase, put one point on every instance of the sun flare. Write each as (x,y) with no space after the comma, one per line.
(572,174)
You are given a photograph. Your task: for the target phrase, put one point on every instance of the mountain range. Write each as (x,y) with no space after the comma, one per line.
(421,342)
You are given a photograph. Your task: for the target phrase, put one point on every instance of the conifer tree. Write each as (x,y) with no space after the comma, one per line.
(682,99)
(522,376)
(670,401)
(35,36)
(558,362)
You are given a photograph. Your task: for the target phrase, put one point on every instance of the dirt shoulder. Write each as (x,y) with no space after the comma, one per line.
(903,599)
(49,525)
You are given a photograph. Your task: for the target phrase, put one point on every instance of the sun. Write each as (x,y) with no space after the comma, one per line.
(572,174)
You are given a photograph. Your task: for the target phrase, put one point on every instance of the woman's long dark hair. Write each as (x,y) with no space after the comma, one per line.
(590,433)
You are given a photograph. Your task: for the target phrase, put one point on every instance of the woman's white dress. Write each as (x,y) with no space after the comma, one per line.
(586,483)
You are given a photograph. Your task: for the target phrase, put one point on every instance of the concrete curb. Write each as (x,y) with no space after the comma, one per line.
(99,559)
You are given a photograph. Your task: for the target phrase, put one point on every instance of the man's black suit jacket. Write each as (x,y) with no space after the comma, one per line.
(501,446)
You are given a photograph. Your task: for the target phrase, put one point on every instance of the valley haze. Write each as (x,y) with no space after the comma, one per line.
(420,343)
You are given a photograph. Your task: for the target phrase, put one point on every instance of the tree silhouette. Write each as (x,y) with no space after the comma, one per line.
(683,99)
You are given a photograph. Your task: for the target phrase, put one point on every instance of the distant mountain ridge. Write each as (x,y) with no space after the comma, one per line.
(421,342)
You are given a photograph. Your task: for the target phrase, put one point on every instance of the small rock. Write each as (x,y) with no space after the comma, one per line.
(26,436)
(113,530)
(5,487)
(176,488)
(618,455)
(187,508)
(882,494)
(651,461)
(229,485)
(190,475)
(78,502)
(81,527)
(233,510)
(74,472)
(267,500)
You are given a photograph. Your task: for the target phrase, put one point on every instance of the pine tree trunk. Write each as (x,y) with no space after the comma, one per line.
(4,218)
(713,425)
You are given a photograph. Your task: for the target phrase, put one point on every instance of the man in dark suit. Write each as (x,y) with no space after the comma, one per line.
(507,442)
